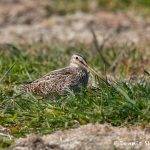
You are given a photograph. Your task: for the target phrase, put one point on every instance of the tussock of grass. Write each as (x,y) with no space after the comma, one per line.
(123,103)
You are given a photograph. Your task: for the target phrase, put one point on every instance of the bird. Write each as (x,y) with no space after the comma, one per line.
(59,82)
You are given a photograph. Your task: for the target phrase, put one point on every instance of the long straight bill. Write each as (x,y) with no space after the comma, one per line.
(96,73)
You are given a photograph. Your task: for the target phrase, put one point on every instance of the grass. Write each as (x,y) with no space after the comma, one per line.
(124,103)
(63,7)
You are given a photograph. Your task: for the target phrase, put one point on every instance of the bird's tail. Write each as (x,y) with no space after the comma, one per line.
(24,88)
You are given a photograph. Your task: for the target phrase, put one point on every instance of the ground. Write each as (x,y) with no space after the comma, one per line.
(37,37)
(89,137)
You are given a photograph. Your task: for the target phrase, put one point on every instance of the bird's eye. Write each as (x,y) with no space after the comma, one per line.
(76,57)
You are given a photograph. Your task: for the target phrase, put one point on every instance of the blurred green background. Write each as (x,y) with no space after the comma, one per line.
(63,7)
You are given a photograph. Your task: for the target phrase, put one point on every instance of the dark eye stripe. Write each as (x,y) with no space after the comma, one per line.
(81,62)
(82,57)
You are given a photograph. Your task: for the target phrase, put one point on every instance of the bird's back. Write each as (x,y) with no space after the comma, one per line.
(58,82)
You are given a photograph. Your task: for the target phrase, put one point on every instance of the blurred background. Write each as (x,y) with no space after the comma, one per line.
(126,21)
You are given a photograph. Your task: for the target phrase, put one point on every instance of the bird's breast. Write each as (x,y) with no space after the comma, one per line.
(83,77)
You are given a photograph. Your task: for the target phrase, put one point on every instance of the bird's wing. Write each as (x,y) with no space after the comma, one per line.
(57,74)
(52,82)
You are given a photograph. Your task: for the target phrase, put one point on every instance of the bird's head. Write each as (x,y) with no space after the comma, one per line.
(80,61)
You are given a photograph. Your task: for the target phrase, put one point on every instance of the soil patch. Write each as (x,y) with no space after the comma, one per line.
(89,137)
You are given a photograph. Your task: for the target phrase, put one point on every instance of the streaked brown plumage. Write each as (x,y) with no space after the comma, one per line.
(72,77)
